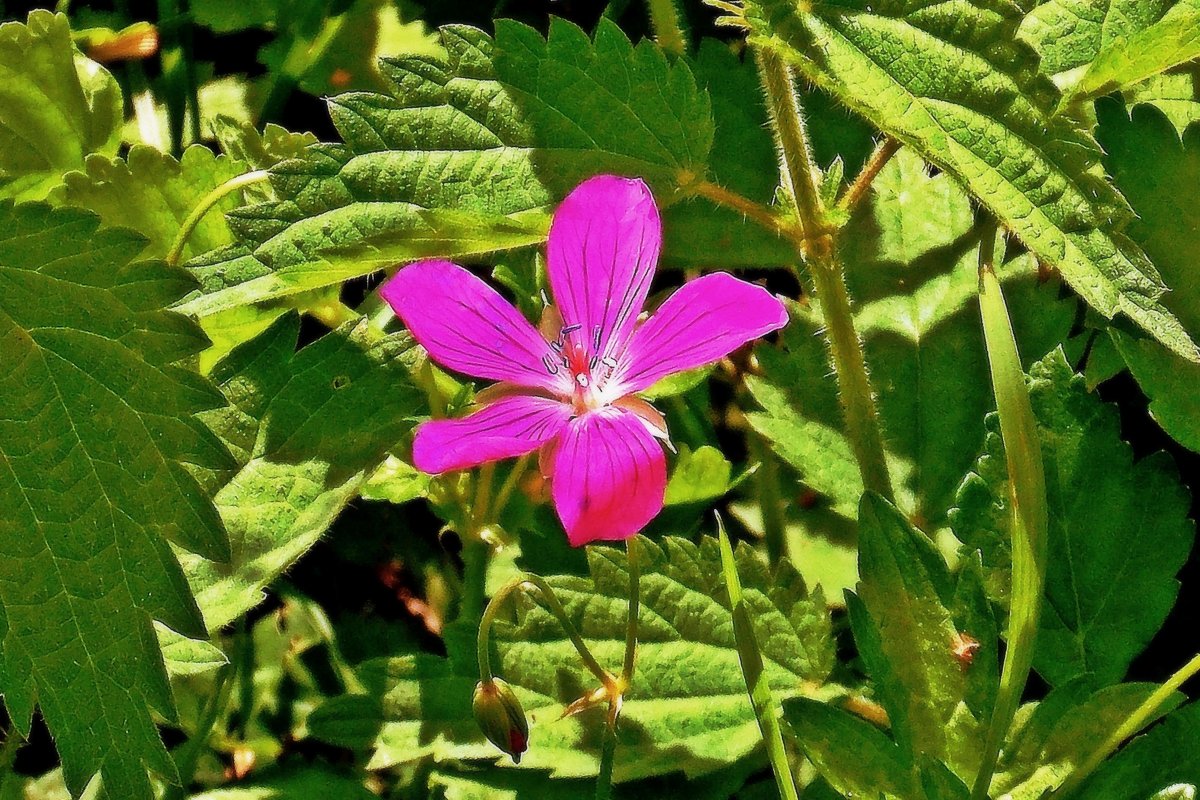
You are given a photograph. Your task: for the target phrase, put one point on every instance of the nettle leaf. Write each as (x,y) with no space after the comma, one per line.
(1172,40)
(1062,731)
(307,429)
(56,106)
(464,156)
(1158,171)
(1118,533)
(97,424)
(153,194)
(954,83)
(688,709)
(240,140)
(911,260)
(1175,94)
(1167,755)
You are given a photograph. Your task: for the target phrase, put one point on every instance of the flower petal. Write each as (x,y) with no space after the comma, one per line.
(468,327)
(603,247)
(610,476)
(511,426)
(702,322)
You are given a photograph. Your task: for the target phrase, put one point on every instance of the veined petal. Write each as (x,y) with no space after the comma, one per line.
(603,247)
(468,327)
(702,322)
(610,476)
(511,426)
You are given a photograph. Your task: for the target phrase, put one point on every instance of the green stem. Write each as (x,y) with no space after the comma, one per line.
(556,608)
(1027,498)
(8,756)
(475,555)
(301,56)
(664,19)
(509,486)
(770,499)
(608,761)
(205,205)
(845,347)
(187,755)
(633,558)
(1132,724)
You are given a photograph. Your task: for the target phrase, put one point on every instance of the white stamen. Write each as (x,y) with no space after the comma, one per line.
(582,380)
(545,300)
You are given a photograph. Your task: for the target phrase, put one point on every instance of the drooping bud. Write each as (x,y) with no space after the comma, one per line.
(501,717)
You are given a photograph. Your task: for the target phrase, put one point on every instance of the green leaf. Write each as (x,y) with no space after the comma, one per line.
(964,94)
(241,141)
(907,634)
(698,476)
(301,783)
(1169,754)
(1172,40)
(854,756)
(1157,172)
(1118,530)
(1069,34)
(307,430)
(56,108)
(1174,94)
(96,425)
(687,710)
(152,193)
(1062,732)
(464,156)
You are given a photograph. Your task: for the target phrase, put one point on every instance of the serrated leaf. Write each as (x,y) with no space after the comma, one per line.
(1168,754)
(96,425)
(1158,171)
(854,756)
(240,140)
(1175,94)
(1062,732)
(307,430)
(954,84)
(465,154)
(1118,530)
(56,106)
(687,711)
(1172,40)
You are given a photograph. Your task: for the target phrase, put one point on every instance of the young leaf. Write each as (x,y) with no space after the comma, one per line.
(964,93)
(1118,530)
(57,107)
(1172,40)
(687,710)
(96,425)
(465,154)
(307,430)
(1157,171)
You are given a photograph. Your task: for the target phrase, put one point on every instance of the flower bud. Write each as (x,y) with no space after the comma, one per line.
(501,717)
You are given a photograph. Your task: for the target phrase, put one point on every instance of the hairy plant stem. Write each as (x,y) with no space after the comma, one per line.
(845,347)
(205,205)
(858,188)
(770,498)
(664,19)
(608,748)
(761,214)
(1028,517)
(187,756)
(1132,724)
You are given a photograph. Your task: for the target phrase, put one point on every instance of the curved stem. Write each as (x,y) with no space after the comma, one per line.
(879,158)
(757,212)
(205,205)
(664,18)
(556,608)
(845,347)
(1028,516)
(1132,724)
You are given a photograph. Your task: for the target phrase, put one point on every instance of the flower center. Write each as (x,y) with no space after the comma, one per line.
(587,372)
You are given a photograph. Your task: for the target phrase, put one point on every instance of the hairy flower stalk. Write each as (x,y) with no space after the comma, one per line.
(569,391)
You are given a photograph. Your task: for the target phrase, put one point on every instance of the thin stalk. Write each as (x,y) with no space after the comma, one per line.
(757,212)
(858,188)
(301,56)
(510,484)
(333,314)
(664,19)
(188,755)
(766,710)
(608,748)
(205,205)
(1132,724)
(770,499)
(475,556)
(1027,501)
(483,496)
(845,347)
(556,608)
(608,760)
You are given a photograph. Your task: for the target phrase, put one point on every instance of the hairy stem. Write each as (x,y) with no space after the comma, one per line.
(1132,724)
(845,347)
(1028,517)
(664,19)
(757,212)
(770,498)
(205,205)
(608,749)
(879,158)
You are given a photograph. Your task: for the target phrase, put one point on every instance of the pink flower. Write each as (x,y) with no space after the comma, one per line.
(571,390)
